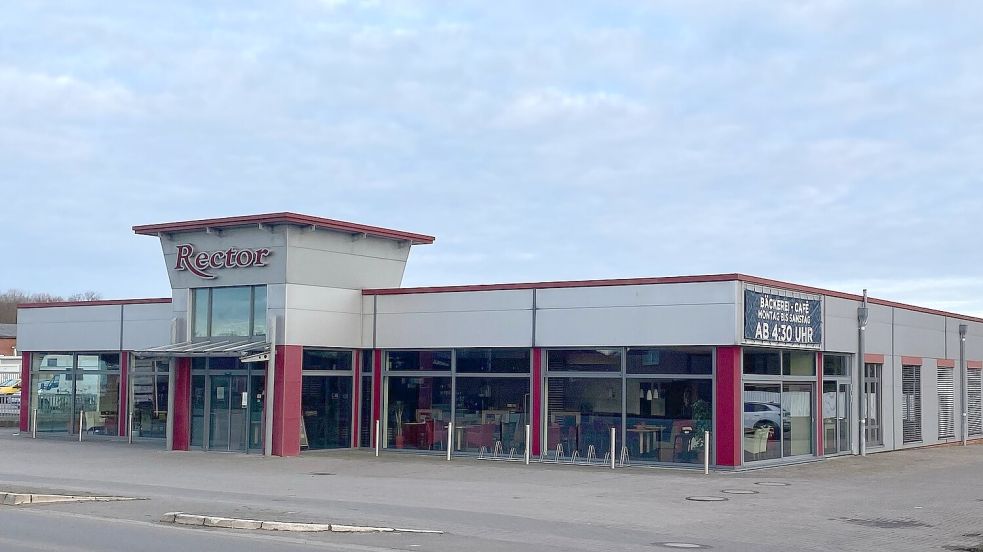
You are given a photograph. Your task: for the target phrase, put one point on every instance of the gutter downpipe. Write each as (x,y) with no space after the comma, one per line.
(862,317)
(270,391)
(964,395)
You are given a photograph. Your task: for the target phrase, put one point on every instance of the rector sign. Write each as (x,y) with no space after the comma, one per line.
(780,319)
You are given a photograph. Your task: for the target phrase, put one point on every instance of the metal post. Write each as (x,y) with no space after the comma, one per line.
(527,444)
(450,439)
(34,425)
(81,419)
(612,447)
(378,436)
(129,428)
(963,396)
(706,453)
(862,315)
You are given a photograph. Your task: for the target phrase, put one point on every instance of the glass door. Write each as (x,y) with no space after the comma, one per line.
(219,412)
(257,394)
(797,401)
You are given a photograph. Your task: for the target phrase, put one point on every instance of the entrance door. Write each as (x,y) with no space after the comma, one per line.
(836,417)
(231,425)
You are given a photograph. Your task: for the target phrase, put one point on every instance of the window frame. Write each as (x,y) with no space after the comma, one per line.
(208,292)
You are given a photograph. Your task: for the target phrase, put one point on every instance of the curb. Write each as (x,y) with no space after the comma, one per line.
(181,518)
(20,499)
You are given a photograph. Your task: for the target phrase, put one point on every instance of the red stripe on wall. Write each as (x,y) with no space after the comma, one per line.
(945,363)
(911,361)
(730,407)
(870,358)
(974,364)
(25,391)
(181,436)
(536,408)
(286,400)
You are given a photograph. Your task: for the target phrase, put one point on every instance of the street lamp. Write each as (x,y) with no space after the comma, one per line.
(862,317)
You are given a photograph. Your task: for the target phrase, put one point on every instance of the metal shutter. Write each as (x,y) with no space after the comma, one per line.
(947,403)
(975,391)
(911,401)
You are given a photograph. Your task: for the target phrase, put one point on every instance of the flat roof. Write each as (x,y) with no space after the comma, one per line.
(703,278)
(97,303)
(282,218)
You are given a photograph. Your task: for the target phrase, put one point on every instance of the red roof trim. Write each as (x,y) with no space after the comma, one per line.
(282,218)
(754,280)
(100,303)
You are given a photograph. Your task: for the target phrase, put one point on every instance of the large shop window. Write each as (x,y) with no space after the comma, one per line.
(911,403)
(418,411)
(872,394)
(238,311)
(491,402)
(68,389)
(779,409)
(326,399)
(581,413)
(149,384)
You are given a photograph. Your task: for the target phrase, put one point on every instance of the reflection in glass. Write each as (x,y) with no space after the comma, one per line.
(797,404)
(231,311)
(498,361)
(763,422)
(52,361)
(316,359)
(581,413)
(670,361)
(667,417)
(584,360)
(762,363)
(259,310)
(326,404)
(418,410)
(431,361)
(799,363)
(197,409)
(365,422)
(51,395)
(199,299)
(97,398)
(836,410)
(490,411)
(836,365)
(149,387)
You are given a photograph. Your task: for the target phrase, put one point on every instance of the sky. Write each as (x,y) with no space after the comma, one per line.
(824,142)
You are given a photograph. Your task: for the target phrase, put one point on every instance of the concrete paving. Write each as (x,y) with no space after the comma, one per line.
(925,499)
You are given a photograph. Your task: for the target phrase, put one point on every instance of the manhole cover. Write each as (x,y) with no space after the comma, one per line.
(706,498)
(771,484)
(321,473)
(739,491)
(689,545)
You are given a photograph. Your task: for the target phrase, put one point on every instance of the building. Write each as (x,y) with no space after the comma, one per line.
(8,339)
(285,333)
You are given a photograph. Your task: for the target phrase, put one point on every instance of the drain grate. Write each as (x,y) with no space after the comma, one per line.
(884,523)
(706,498)
(771,484)
(684,545)
(321,473)
(739,491)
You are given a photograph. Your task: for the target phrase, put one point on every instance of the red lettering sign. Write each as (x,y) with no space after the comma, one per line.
(198,263)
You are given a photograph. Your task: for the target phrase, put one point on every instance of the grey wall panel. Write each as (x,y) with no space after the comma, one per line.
(456,302)
(840,326)
(146,325)
(655,294)
(323,329)
(367,327)
(880,334)
(240,238)
(919,334)
(930,402)
(455,329)
(82,328)
(335,259)
(651,325)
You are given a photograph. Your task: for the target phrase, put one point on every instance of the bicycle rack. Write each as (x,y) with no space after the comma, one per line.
(625,460)
(497,450)
(482,453)
(574,457)
(511,453)
(591,455)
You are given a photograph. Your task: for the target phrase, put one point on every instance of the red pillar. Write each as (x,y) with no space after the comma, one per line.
(25,391)
(820,428)
(124,395)
(356,396)
(376,393)
(181,429)
(286,400)
(729,408)
(536,398)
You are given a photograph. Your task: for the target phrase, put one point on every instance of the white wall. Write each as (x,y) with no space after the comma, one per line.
(94,327)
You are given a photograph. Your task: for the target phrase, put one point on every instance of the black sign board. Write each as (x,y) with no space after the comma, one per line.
(779,319)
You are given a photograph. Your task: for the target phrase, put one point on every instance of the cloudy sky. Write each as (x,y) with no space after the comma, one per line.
(826,142)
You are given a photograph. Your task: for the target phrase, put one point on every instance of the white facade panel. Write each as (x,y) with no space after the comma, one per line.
(880,331)
(323,329)
(643,295)
(919,334)
(455,329)
(464,301)
(840,329)
(146,325)
(81,328)
(651,325)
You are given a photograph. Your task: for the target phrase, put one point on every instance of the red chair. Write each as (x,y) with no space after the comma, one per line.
(480,436)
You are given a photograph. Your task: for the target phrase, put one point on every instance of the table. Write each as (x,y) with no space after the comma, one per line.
(649,437)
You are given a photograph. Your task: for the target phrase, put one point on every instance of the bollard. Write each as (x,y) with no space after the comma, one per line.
(81,422)
(527,444)
(706,453)
(378,436)
(34,424)
(450,439)
(612,447)
(129,429)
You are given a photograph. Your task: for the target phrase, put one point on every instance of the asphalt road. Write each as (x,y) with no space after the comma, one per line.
(914,500)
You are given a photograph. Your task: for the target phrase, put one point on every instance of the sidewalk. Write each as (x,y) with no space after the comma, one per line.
(911,500)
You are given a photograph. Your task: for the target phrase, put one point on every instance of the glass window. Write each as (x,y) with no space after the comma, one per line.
(584,360)
(259,310)
(666,419)
(762,363)
(149,387)
(872,384)
(799,363)
(418,412)
(97,397)
(326,404)
(231,311)
(491,412)
(199,299)
(366,423)
(493,361)
(99,362)
(52,361)
(763,422)
(315,359)
(580,415)
(433,361)
(670,361)
(51,395)
(836,365)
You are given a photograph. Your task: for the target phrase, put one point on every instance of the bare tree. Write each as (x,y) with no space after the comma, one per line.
(12,297)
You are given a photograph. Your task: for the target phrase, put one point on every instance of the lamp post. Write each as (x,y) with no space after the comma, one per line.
(963,396)
(862,316)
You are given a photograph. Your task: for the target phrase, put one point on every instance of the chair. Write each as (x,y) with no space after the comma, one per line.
(757,442)
(438,434)
(480,436)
